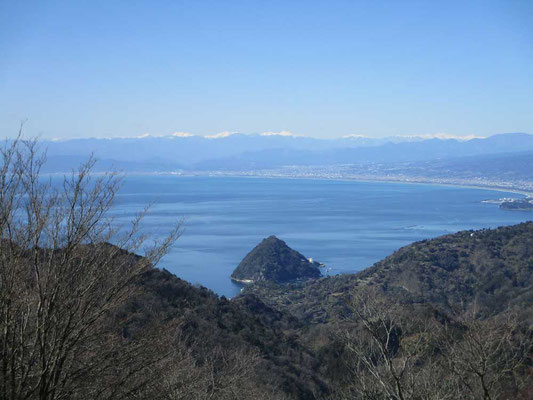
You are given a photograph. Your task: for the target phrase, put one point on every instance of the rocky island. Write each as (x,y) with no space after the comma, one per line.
(272,260)
(525,204)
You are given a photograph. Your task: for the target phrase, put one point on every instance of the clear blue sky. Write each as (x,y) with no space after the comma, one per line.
(320,68)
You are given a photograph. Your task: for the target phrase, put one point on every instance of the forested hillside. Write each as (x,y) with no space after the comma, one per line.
(438,295)
(492,269)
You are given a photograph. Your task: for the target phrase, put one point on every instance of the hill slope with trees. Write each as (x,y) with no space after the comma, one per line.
(491,268)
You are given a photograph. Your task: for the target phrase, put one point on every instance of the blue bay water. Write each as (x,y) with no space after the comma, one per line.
(346,225)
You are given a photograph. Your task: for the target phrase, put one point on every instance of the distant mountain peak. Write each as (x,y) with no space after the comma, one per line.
(273,260)
(220,135)
(280,133)
(442,136)
(169,136)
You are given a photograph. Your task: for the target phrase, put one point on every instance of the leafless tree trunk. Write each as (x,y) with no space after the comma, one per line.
(60,280)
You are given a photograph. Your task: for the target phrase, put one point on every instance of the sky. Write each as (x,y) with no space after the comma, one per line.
(316,68)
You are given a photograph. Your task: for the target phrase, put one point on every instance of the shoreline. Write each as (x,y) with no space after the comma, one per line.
(243,281)
(369,179)
(414,181)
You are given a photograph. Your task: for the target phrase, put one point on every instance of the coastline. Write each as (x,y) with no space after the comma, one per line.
(353,178)
(414,181)
(243,281)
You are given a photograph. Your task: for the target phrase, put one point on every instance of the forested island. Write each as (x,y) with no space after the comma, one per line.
(273,261)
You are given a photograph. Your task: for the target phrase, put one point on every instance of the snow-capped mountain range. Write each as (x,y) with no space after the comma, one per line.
(227,150)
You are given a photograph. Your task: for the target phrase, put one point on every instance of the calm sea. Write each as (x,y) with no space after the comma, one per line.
(346,225)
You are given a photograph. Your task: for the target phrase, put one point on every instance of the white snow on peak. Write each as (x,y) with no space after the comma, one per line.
(281,133)
(356,137)
(220,135)
(442,135)
(181,134)
(267,133)
(168,136)
(415,137)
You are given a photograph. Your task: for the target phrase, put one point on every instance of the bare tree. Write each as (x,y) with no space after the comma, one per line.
(222,374)
(395,353)
(489,358)
(60,280)
(385,348)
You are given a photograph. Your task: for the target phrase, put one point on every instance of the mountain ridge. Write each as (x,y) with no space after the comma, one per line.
(491,268)
(296,326)
(200,153)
